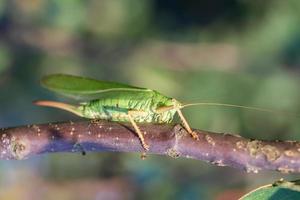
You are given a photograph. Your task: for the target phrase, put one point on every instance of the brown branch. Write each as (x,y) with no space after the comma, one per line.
(220,149)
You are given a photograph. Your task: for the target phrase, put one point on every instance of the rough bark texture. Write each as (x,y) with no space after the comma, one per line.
(172,140)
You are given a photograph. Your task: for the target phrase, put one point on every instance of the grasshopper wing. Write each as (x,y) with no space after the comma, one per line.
(85,88)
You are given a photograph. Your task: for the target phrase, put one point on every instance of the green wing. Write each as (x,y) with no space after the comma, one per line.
(85,88)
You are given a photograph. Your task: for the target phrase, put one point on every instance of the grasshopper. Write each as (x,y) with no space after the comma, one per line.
(119,102)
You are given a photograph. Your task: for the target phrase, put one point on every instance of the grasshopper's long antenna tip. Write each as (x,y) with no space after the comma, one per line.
(240,106)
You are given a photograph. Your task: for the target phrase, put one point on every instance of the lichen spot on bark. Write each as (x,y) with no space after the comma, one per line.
(241,144)
(254,147)
(271,152)
(291,153)
(210,140)
(173,153)
(19,148)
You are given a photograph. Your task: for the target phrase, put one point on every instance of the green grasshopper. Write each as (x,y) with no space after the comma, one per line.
(118,102)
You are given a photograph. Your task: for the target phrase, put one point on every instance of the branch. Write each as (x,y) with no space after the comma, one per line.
(96,136)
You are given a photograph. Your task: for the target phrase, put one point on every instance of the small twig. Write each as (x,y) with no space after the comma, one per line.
(220,149)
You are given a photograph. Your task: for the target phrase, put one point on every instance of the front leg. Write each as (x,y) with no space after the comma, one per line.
(176,105)
(186,125)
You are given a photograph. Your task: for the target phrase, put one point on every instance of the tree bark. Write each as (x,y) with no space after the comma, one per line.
(95,136)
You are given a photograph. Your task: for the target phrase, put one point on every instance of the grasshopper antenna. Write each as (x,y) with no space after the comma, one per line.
(239,106)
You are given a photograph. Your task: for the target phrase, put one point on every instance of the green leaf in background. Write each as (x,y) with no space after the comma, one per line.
(280,190)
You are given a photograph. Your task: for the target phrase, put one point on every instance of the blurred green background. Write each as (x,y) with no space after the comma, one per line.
(230,51)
